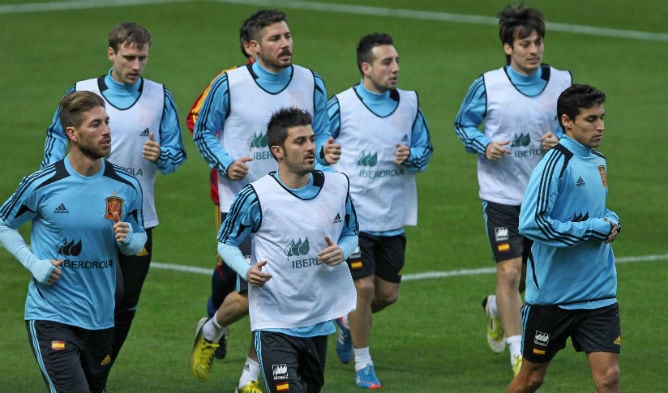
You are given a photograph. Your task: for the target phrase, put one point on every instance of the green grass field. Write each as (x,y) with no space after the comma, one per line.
(432,340)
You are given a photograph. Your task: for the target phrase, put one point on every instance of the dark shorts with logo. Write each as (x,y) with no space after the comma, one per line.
(382,256)
(502,223)
(291,364)
(546,329)
(71,359)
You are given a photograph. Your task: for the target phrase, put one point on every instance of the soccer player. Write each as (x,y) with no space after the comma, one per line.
(224,295)
(387,142)
(84,211)
(230,133)
(517,105)
(147,140)
(304,227)
(572,282)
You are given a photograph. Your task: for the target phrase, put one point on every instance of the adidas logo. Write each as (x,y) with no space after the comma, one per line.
(146,132)
(405,138)
(337,219)
(580,182)
(61,209)
(106,361)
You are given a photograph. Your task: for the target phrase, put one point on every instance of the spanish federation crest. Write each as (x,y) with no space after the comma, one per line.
(114,205)
(601,171)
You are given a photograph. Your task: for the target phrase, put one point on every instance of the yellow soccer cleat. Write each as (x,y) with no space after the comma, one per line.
(517,364)
(251,387)
(495,334)
(201,358)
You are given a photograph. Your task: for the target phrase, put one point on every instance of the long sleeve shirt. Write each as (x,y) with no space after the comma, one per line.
(505,106)
(564,212)
(217,106)
(381,106)
(245,218)
(123,96)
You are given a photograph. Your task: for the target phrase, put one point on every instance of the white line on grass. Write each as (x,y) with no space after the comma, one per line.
(342,8)
(447,17)
(77,5)
(410,277)
(357,10)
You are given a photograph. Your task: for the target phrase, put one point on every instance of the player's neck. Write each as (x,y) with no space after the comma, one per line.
(83,164)
(291,179)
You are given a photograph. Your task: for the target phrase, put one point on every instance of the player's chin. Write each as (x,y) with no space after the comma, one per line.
(103,151)
(309,166)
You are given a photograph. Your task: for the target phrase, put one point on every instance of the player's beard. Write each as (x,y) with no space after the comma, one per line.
(274,62)
(94,154)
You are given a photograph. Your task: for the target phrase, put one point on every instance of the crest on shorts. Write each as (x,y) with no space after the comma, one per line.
(279,371)
(501,234)
(114,205)
(541,338)
(601,171)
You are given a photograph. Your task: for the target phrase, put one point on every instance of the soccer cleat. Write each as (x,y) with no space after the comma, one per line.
(517,364)
(366,378)
(495,335)
(201,358)
(344,343)
(251,387)
(221,351)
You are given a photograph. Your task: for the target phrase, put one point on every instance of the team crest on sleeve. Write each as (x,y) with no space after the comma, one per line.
(601,171)
(114,205)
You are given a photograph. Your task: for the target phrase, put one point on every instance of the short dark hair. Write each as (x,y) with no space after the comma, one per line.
(75,104)
(277,129)
(261,19)
(366,45)
(519,19)
(130,33)
(578,97)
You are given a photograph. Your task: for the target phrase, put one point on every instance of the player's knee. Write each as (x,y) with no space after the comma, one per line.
(532,382)
(509,275)
(238,303)
(383,299)
(388,298)
(608,381)
(365,288)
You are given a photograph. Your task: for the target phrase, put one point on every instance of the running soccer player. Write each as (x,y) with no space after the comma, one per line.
(571,284)
(84,212)
(517,105)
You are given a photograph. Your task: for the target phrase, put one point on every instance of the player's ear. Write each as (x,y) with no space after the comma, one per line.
(276,151)
(507,48)
(366,68)
(111,53)
(566,121)
(71,133)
